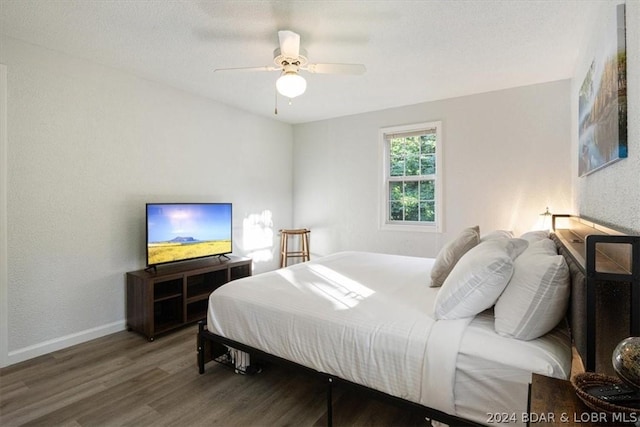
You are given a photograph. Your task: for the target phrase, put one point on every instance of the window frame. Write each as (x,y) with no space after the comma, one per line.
(385,179)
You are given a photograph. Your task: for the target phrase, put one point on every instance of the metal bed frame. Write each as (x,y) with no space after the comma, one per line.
(605,289)
(211,346)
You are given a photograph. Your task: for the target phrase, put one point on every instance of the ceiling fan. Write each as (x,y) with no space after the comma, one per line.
(290,59)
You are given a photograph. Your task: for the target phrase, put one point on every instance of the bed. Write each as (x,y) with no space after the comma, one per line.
(374,321)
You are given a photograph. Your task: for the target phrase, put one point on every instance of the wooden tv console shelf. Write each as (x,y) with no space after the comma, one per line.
(176,295)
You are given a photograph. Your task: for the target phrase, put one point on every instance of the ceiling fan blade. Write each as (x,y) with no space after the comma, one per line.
(289,44)
(354,69)
(263,68)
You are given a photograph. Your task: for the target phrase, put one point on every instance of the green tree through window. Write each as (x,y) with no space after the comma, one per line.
(411,175)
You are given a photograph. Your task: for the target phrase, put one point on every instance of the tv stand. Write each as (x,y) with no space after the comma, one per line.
(163,299)
(223,256)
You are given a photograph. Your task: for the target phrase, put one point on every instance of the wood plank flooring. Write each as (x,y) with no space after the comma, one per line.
(124,380)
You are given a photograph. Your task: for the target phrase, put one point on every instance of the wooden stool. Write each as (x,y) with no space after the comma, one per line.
(285,253)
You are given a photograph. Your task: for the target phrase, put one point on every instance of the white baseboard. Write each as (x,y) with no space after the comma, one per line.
(46,347)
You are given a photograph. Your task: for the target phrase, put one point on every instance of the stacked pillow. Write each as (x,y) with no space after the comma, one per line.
(537,296)
(525,278)
(497,234)
(478,279)
(534,236)
(451,254)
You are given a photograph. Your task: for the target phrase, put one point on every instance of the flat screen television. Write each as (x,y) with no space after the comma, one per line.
(185,231)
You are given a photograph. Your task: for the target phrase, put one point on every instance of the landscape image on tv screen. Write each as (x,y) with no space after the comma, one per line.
(181,231)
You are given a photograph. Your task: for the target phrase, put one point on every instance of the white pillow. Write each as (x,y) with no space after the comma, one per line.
(451,253)
(537,296)
(478,279)
(497,234)
(543,246)
(534,236)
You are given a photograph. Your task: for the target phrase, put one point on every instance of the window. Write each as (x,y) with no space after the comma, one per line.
(412,181)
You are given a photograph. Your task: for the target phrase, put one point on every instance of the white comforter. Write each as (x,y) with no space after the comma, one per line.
(364,317)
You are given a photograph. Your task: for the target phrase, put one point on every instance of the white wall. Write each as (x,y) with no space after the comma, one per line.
(4,308)
(87,146)
(506,157)
(611,195)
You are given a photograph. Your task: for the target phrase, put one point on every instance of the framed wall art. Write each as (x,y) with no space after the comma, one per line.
(602,104)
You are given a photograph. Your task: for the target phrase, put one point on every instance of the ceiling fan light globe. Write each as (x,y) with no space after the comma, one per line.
(291,85)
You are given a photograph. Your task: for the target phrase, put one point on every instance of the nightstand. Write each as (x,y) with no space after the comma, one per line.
(554,402)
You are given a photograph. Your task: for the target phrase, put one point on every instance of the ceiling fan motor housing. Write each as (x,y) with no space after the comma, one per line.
(283,61)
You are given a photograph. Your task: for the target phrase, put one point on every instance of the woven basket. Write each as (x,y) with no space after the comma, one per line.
(585,381)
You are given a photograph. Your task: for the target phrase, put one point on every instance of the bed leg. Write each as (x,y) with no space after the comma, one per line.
(200,348)
(330,402)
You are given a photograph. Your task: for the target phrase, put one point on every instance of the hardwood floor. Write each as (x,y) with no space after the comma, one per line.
(123,380)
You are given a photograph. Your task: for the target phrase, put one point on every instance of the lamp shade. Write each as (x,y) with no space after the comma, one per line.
(291,85)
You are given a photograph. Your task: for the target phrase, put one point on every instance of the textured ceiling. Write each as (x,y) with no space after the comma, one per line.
(414,51)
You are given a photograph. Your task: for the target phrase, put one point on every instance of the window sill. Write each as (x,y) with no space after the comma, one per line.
(430,228)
